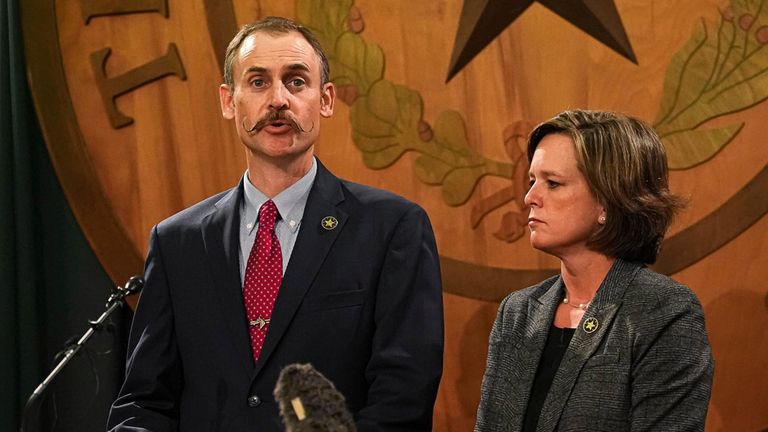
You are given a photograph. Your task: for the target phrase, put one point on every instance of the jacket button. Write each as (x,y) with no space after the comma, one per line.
(254,401)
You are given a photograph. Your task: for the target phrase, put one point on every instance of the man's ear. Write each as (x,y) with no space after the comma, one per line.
(227,102)
(327,99)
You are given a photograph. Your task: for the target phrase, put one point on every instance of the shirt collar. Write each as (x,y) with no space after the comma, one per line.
(290,203)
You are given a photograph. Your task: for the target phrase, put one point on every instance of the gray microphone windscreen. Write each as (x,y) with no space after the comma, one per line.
(310,402)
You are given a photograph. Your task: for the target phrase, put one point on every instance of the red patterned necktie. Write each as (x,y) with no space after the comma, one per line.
(263,275)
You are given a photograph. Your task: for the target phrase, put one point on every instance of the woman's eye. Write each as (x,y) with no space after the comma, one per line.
(552,184)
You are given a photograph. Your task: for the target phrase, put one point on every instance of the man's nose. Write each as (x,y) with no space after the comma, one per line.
(279,97)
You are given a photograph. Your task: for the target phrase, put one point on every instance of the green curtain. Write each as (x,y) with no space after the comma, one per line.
(51,283)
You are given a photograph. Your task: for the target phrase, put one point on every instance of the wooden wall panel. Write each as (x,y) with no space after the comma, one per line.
(123,180)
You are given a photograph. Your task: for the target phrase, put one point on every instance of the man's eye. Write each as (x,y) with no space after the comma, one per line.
(296,82)
(257,83)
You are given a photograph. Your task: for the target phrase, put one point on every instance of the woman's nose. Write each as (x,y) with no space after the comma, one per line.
(532,196)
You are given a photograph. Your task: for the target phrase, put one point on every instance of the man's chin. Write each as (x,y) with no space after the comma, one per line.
(281,151)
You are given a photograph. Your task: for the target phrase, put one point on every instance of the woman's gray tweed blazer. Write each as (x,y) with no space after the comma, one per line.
(647,366)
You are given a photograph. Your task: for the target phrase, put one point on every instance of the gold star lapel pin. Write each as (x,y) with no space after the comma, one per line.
(590,325)
(329,222)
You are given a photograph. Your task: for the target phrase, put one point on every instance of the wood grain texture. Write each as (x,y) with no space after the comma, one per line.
(179,150)
(64,140)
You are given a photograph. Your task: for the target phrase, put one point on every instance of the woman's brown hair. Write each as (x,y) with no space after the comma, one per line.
(625,165)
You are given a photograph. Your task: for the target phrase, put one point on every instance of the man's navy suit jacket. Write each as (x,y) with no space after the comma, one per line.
(361,302)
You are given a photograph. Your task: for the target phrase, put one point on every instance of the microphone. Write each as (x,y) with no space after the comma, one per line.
(134,285)
(310,402)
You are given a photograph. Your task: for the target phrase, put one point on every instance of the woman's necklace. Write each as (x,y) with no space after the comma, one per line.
(582,306)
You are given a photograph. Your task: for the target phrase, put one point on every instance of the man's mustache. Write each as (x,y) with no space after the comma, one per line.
(272,117)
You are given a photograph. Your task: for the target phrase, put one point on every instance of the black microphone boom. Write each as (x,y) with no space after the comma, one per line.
(116,300)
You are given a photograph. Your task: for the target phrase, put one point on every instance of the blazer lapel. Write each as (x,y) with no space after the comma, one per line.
(593,327)
(309,252)
(541,311)
(220,231)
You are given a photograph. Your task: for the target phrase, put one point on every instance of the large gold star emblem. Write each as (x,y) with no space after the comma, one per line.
(482,20)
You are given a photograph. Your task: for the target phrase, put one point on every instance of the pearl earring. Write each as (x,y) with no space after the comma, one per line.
(601,220)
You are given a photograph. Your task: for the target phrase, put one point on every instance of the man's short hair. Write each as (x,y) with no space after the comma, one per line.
(273,25)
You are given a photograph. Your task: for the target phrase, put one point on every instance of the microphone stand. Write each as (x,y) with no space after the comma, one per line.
(115,301)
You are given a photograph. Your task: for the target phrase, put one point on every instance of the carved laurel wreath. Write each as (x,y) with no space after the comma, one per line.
(715,73)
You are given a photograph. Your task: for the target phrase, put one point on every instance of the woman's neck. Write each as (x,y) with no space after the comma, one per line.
(583,274)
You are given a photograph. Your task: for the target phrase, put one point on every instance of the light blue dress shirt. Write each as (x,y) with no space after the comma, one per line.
(290,205)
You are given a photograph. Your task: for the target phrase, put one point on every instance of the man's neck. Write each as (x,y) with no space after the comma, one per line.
(272,177)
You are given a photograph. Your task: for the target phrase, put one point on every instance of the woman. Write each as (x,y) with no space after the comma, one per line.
(608,345)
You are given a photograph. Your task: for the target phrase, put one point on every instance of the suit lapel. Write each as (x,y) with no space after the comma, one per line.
(601,312)
(540,313)
(309,252)
(221,238)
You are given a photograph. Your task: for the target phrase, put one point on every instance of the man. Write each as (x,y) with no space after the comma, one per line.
(292,265)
